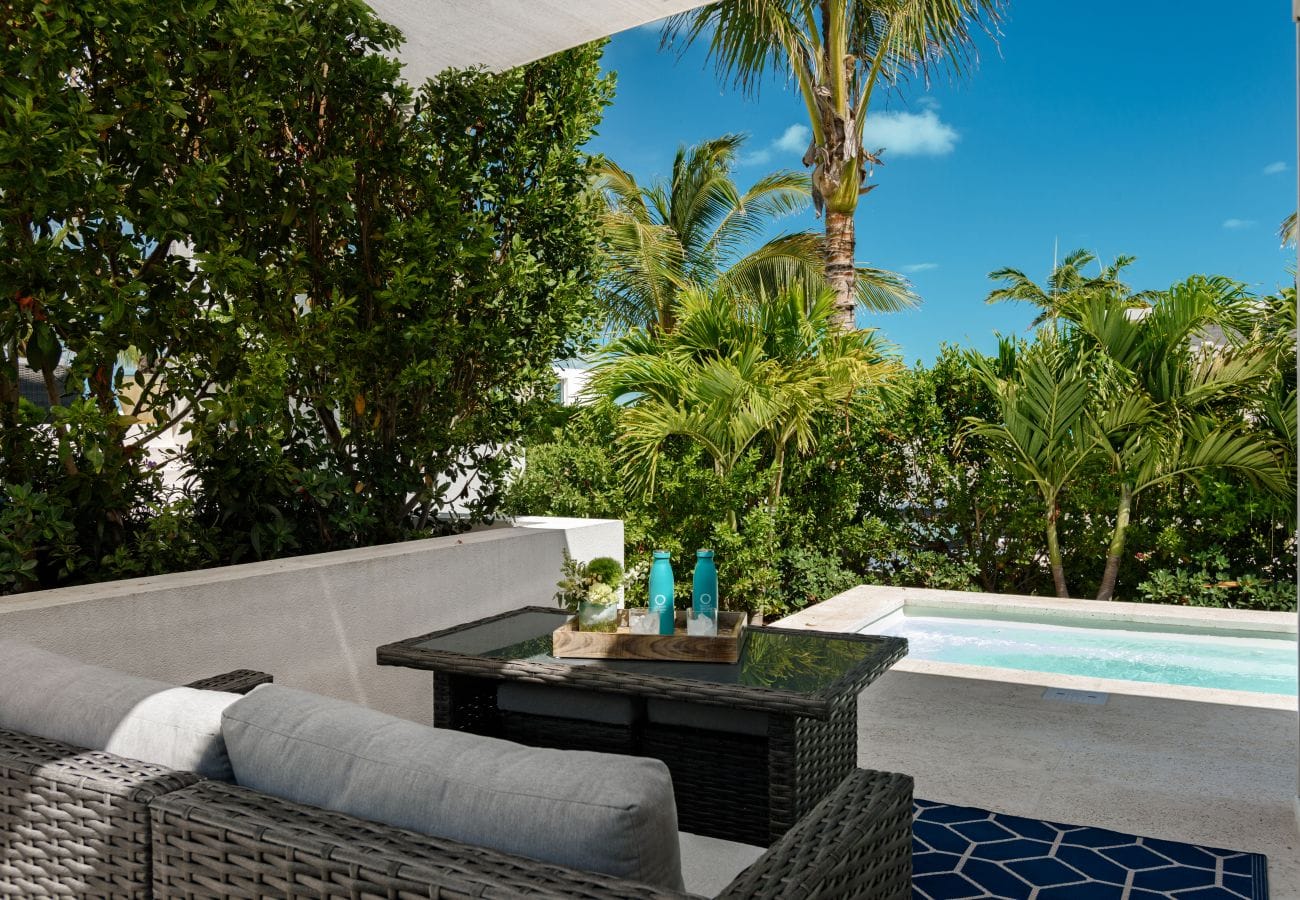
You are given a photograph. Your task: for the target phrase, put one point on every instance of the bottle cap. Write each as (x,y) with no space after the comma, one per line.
(662,554)
(704,553)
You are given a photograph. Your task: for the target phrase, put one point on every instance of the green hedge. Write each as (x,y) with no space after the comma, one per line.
(892,495)
(371,284)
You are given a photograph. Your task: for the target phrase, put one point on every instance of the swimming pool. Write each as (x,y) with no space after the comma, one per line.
(1255,661)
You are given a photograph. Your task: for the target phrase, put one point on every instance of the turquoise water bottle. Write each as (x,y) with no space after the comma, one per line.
(661,590)
(704,598)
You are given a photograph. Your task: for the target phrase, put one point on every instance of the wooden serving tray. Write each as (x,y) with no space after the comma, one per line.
(570,643)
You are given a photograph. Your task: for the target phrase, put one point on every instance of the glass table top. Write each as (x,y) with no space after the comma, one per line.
(802,663)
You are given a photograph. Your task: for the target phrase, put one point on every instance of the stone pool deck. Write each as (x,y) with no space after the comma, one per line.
(1211,767)
(1209,773)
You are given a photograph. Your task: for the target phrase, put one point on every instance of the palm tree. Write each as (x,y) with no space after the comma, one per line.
(1169,410)
(695,228)
(736,373)
(1275,329)
(838,52)
(1044,396)
(1067,285)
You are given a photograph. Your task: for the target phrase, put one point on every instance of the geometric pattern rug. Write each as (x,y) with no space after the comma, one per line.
(959,852)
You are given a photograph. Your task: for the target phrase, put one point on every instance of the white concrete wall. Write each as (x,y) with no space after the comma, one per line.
(314,621)
(572,383)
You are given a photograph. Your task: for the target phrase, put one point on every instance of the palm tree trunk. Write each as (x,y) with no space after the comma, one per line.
(1116,551)
(778,463)
(1054,556)
(841,273)
(722,472)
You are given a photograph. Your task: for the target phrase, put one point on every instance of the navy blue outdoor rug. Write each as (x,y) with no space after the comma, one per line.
(960,852)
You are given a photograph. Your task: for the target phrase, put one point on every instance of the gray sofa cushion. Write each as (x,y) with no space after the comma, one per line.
(46,694)
(567,703)
(712,718)
(592,811)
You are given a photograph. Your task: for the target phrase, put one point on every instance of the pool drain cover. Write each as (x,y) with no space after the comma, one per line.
(1064,695)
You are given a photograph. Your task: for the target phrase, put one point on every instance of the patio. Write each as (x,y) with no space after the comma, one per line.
(1200,772)
(1212,773)
(1204,773)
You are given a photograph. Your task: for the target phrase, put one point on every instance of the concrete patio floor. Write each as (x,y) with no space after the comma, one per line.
(1206,773)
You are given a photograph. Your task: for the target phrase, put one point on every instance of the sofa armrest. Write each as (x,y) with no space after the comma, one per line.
(76,822)
(240,681)
(856,843)
(250,844)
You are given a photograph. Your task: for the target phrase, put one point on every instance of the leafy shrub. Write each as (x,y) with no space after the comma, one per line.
(1209,583)
(36,534)
(350,294)
(892,496)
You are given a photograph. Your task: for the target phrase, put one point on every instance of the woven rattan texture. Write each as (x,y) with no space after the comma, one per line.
(729,786)
(407,653)
(240,681)
(855,845)
(75,823)
(223,841)
(824,752)
(721,781)
(466,704)
(569,734)
(470,704)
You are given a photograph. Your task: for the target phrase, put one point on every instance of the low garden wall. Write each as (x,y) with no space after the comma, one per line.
(313,621)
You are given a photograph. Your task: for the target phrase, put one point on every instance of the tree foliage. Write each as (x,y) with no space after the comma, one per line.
(837,52)
(1139,389)
(698,228)
(903,492)
(412,306)
(351,293)
(735,372)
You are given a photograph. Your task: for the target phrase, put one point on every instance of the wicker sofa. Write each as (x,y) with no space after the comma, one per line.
(76,823)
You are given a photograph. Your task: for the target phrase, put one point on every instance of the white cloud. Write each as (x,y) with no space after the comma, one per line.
(920,267)
(1237,224)
(1275,168)
(793,140)
(909,134)
(928,101)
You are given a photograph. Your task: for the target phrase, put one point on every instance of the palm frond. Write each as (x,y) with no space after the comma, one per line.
(882,291)
(929,36)
(737,371)
(749,39)
(1288,230)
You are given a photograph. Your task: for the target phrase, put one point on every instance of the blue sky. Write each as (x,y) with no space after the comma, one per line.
(1112,125)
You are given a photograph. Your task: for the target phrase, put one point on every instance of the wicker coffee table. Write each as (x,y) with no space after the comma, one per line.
(752,746)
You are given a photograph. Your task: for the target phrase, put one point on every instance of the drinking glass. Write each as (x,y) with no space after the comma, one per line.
(643,621)
(701,624)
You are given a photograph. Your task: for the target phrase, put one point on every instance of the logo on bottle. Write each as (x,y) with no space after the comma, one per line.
(659,602)
(707,602)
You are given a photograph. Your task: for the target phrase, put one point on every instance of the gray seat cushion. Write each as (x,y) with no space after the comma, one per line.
(592,811)
(55,697)
(710,718)
(567,703)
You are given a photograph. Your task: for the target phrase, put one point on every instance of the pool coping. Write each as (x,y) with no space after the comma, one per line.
(858,607)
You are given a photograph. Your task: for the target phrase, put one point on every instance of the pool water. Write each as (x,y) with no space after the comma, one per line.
(1265,663)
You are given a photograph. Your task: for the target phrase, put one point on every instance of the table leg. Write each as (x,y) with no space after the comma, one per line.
(466,703)
(807,759)
(720,781)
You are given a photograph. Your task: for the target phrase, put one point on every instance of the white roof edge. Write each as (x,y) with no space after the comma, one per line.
(501,34)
